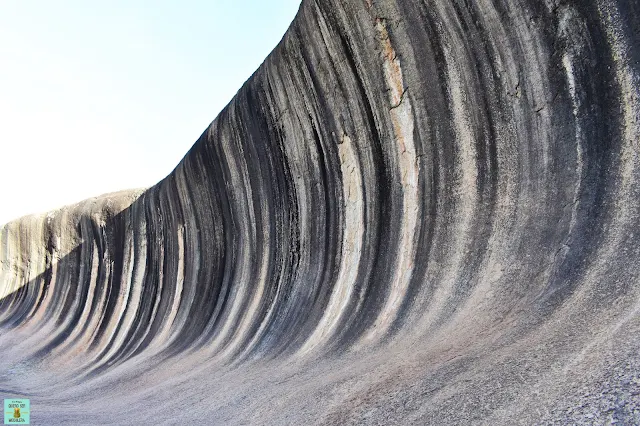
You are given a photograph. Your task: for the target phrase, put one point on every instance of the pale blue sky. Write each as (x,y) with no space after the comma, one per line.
(99,96)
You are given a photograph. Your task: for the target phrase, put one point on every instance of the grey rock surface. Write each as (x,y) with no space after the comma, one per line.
(414,212)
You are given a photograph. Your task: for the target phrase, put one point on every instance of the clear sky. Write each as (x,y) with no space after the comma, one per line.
(101,96)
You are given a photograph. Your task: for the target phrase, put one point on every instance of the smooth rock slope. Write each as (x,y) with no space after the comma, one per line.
(414,212)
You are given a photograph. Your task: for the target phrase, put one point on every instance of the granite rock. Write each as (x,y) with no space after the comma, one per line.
(414,212)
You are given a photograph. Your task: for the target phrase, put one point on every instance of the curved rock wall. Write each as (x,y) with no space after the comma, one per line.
(414,211)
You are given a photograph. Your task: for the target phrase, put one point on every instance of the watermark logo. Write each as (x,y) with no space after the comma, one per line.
(17,412)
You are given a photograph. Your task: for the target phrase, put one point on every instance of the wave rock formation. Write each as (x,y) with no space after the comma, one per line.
(415,211)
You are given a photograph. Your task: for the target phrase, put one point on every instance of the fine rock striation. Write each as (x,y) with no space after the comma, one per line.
(415,211)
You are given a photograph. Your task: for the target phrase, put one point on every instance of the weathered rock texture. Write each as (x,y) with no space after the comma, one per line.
(415,211)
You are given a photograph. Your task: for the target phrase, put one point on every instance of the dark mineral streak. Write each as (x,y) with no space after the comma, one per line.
(414,212)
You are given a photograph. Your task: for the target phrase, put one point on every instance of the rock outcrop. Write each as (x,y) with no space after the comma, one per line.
(415,211)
